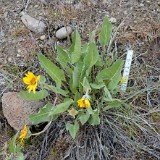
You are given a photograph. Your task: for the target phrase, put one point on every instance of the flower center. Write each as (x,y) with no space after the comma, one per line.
(33,81)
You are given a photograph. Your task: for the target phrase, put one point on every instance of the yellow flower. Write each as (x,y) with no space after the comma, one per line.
(84,103)
(87,103)
(23,134)
(32,81)
(81,103)
(73,112)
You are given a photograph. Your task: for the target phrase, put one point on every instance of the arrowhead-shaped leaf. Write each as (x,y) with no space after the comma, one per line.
(63,59)
(57,90)
(113,102)
(72,129)
(83,117)
(111,73)
(75,49)
(105,33)
(43,115)
(54,72)
(86,85)
(97,85)
(60,108)
(92,56)
(76,76)
(33,97)
(94,118)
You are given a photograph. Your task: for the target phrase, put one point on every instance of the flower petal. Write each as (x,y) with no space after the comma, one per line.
(26,80)
(38,78)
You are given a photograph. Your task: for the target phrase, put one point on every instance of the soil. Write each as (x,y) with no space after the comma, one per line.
(138,23)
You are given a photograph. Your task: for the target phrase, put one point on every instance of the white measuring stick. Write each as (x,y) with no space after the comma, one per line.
(126,70)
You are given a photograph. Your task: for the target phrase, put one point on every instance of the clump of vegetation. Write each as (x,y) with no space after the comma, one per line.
(88,97)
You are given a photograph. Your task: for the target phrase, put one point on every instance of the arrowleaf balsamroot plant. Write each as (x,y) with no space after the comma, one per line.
(85,81)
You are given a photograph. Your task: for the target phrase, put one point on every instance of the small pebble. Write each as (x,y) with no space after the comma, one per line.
(113,20)
(19,51)
(9,59)
(149,2)
(43,37)
(18,55)
(62,32)
(141,5)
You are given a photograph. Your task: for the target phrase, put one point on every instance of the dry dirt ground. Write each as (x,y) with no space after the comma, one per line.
(138,23)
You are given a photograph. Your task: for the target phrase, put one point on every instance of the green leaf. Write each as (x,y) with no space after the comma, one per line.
(86,85)
(113,102)
(113,84)
(77,96)
(83,117)
(92,56)
(72,129)
(12,144)
(63,58)
(105,33)
(43,115)
(42,79)
(20,156)
(75,49)
(33,97)
(76,76)
(110,73)
(60,108)
(99,63)
(97,86)
(92,35)
(85,48)
(94,118)
(107,94)
(90,110)
(54,72)
(56,90)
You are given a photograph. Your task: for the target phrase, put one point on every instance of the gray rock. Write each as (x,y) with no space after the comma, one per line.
(62,33)
(16,110)
(32,23)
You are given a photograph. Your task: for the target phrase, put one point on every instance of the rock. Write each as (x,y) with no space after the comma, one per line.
(16,110)
(10,59)
(32,23)
(62,33)
(149,2)
(113,20)
(141,5)
(43,37)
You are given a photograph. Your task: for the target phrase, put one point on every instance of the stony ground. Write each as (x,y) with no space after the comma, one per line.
(136,23)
